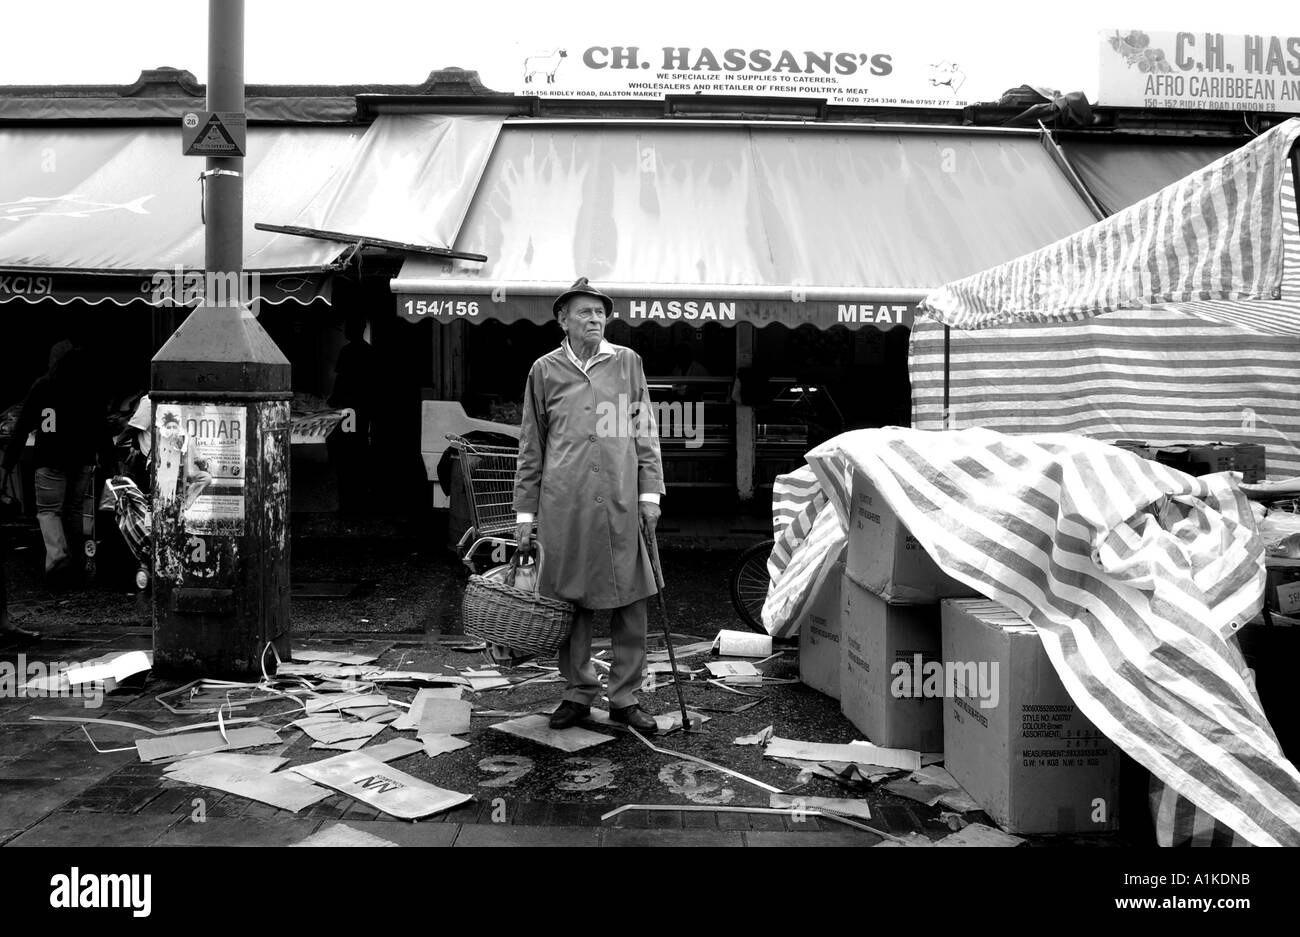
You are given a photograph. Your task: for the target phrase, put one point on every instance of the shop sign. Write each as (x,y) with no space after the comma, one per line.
(666,310)
(641,67)
(1205,71)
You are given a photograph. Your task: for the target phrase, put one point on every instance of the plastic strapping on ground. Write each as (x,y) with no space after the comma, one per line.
(708,764)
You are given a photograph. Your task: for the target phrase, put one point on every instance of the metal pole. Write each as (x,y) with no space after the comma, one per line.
(947,356)
(223,235)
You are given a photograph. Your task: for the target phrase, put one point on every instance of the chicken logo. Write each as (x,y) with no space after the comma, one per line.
(1134,47)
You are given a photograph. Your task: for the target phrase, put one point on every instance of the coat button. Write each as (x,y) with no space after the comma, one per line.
(599,499)
(595,467)
(592,437)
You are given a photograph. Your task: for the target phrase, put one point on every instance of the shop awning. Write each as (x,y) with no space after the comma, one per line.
(1121,174)
(740,222)
(111,214)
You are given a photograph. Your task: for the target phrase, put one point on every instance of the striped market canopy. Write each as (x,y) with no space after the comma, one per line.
(1135,576)
(1221,244)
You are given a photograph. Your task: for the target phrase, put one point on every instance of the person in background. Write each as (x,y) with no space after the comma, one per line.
(8,630)
(591,488)
(66,412)
(355,378)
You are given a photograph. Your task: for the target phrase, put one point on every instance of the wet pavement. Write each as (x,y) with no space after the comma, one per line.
(55,788)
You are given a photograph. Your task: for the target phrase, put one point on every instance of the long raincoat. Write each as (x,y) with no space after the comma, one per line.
(587,450)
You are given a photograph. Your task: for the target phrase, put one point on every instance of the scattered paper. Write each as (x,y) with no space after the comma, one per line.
(419,677)
(485,679)
(742,644)
(837,805)
(342,745)
(335,657)
(382,786)
(664,722)
(234,762)
(380,714)
(340,834)
(854,752)
(284,791)
(739,672)
(110,667)
(331,729)
(977,834)
(758,738)
(411,718)
(537,728)
(393,749)
(323,669)
(320,704)
(175,746)
(444,717)
(435,745)
(934,785)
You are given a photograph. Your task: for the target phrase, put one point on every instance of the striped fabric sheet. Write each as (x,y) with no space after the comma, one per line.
(808,542)
(1134,575)
(1214,235)
(1156,375)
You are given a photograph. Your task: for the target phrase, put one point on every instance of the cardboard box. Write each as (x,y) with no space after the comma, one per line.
(1216,457)
(887,559)
(1282,592)
(1012,737)
(874,636)
(819,636)
(1250,460)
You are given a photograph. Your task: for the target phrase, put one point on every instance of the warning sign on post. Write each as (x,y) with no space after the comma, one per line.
(214,133)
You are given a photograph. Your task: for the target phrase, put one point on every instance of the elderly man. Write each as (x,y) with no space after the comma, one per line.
(591,477)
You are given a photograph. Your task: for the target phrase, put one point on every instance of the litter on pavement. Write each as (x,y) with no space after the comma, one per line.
(340,834)
(537,728)
(176,746)
(742,644)
(381,786)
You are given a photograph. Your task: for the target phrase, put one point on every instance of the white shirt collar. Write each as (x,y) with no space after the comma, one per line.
(603,350)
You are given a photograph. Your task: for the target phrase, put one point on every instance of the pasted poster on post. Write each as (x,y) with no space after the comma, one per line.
(201,464)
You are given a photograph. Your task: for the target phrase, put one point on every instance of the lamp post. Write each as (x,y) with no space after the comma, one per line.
(220,390)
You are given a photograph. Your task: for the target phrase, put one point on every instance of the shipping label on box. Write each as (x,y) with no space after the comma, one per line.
(1282,592)
(1024,752)
(888,560)
(882,646)
(819,636)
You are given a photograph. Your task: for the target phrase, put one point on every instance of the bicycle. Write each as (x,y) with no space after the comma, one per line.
(749,583)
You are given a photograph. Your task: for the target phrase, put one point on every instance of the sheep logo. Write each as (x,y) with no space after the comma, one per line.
(545,65)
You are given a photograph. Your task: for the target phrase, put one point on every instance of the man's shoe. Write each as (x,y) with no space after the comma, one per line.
(569,714)
(635,717)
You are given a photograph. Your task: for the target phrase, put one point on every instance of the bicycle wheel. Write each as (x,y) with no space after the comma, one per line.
(749,584)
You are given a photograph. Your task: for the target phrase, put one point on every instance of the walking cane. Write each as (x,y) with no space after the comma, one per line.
(652,548)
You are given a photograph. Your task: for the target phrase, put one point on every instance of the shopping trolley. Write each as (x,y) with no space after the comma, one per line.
(488,474)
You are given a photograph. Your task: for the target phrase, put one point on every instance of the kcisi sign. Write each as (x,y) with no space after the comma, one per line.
(841,74)
(1206,71)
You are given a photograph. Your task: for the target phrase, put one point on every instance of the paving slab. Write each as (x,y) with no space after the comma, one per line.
(501,834)
(109,798)
(404,834)
(832,838)
(65,759)
(628,837)
(24,801)
(62,828)
(230,831)
(6,835)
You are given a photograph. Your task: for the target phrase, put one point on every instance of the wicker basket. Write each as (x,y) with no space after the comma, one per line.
(499,613)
